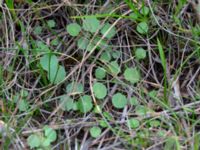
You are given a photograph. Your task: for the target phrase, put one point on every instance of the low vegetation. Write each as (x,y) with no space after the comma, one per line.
(114,74)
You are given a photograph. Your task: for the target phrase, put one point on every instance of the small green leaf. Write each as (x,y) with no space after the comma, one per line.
(154,123)
(45,142)
(107,115)
(116,54)
(171,144)
(85,104)
(134,16)
(73,29)
(23,105)
(142,28)
(34,141)
(95,132)
(153,94)
(103,124)
(111,33)
(132,75)
(133,123)
(75,106)
(119,100)
(105,56)
(56,75)
(97,109)
(16,98)
(49,61)
(100,90)
(133,101)
(101,42)
(55,42)
(91,24)
(144,11)
(51,23)
(38,30)
(83,43)
(140,53)
(42,47)
(66,103)
(50,134)
(24,93)
(100,73)
(74,87)
(141,110)
(114,68)
(90,47)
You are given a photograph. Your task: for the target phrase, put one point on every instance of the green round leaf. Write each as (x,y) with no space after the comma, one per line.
(73,29)
(116,54)
(42,47)
(56,75)
(133,101)
(132,75)
(142,28)
(153,94)
(85,104)
(134,16)
(140,53)
(100,90)
(51,23)
(66,102)
(23,105)
(34,141)
(119,101)
(75,106)
(16,98)
(102,43)
(91,24)
(114,68)
(100,73)
(95,132)
(83,43)
(105,56)
(55,42)
(97,109)
(24,93)
(106,28)
(154,123)
(133,123)
(90,47)
(38,30)
(50,134)
(141,110)
(74,87)
(108,116)
(103,124)
(45,142)
(144,11)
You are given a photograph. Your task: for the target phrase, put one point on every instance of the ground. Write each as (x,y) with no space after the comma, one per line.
(99,74)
